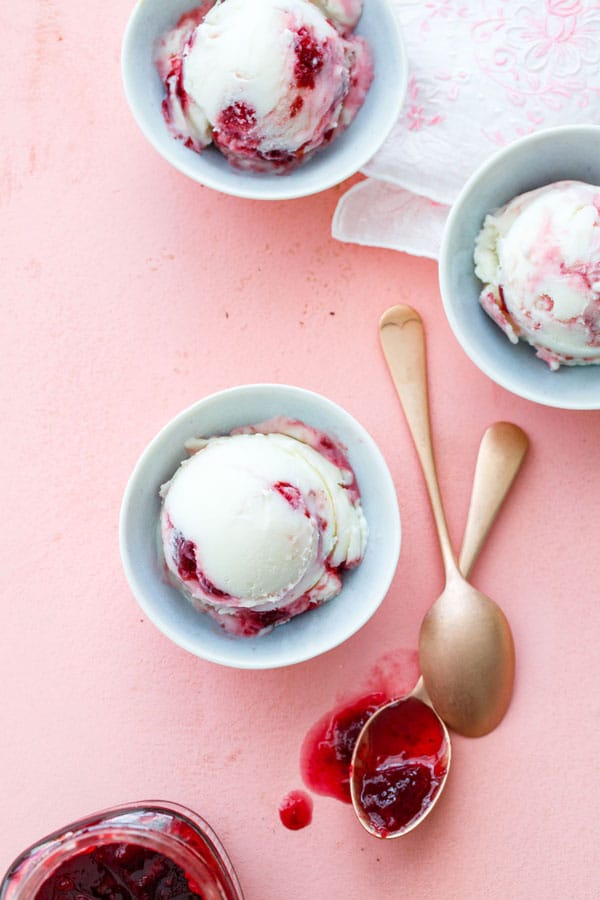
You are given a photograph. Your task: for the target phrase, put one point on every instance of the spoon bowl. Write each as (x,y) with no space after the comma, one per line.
(467,658)
(501,453)
(400,765)
(466,646)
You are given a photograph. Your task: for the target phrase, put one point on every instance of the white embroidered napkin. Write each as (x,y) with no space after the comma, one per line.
(482,73)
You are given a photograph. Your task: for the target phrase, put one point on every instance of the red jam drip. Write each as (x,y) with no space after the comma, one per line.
(249,622)
(188,569)
(175,81)
(296,105)
(290,493)
(185,552)
(237,119)
(119,872)
(328,746)
(295,810)
(309,58)
(401,765)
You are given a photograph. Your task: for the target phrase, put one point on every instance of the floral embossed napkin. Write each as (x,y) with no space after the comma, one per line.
(482,73)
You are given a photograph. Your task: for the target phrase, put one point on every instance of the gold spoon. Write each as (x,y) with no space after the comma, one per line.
(501,453)
(465,646)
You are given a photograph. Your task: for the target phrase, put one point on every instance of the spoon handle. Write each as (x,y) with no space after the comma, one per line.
(501,452)
(403,341)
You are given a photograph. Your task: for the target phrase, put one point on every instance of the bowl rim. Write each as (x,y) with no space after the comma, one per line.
(247,192)
(480,360)
(387,572)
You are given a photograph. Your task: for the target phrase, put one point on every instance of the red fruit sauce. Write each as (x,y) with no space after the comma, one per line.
(401,765)
(141,851)
(119,872)
(295,810)
(327,749)
(237,119)
(291,494)
(309,58)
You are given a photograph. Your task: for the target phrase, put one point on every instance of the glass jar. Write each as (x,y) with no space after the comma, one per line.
(166,829)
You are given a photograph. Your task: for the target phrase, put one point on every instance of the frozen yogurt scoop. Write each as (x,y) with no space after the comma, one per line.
(257,526)
(539,260)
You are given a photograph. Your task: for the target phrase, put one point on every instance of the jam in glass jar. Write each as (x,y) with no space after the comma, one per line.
(140,851)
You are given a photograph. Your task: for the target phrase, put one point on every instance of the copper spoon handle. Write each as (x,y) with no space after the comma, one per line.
(501,452)
(403,343)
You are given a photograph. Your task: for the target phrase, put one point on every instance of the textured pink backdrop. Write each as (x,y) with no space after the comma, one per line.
(128,293)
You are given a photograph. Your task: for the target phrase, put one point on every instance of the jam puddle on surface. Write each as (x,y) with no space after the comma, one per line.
(401,766)
(328,746)
(327,749)
(119,872)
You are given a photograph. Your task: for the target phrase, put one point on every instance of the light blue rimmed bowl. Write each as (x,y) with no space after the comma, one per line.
(556,154)
(311,633)
(151,19)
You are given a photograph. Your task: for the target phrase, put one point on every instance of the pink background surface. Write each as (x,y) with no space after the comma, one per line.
(129,293)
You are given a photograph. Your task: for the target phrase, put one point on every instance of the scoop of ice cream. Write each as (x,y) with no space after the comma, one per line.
(539,259)
(270,83)
(257,525)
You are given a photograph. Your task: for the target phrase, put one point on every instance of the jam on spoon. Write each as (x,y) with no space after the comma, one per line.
(400,766)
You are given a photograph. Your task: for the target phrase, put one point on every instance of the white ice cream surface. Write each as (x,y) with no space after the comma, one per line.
(539,259)
(269,520)
(244,54)
(269,82)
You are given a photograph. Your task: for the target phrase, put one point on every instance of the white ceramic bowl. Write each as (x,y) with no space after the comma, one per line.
(309,634)
(345,155)
(567,152)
